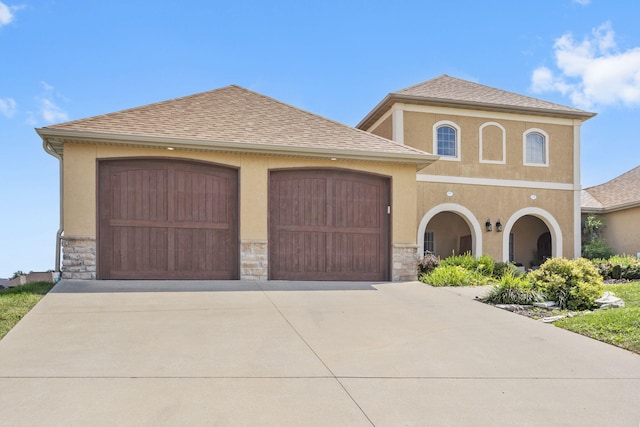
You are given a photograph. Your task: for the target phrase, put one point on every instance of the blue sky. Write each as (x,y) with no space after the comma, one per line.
(67,60)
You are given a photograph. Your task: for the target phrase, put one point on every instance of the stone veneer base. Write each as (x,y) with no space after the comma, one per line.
(78,257)
(254,260)
(405,263)
(79,260)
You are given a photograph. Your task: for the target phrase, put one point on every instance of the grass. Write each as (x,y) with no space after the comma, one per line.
(16,302)
(617,326)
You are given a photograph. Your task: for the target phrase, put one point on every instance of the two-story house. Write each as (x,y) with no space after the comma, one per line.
(507,182)
(231,184)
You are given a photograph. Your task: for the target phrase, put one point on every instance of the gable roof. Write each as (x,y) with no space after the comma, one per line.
(232,119)
(619,193)
(449,91)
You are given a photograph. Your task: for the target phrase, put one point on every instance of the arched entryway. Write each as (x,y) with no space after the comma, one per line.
(531,236)
(449,229)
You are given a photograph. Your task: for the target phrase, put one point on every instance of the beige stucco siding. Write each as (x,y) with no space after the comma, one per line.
(418,133)
(493,203)
(622,231)
(385,129)
(80,186)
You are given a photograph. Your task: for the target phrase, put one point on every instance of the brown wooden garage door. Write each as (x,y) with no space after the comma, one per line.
(328,225)
(167,219)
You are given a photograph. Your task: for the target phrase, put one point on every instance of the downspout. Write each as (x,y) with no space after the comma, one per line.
(49,149)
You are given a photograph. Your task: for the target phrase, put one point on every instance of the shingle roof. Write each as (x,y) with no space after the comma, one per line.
(450,91)
(620,192)
(236,115)
(454,89)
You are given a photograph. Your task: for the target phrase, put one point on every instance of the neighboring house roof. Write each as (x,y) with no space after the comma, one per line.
(620,193)
(449,91)
(233,119)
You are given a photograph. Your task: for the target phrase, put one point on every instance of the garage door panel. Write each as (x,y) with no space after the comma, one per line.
(138,248)
(138,194)
(357,204)
(301,202)
(328,225)
(348,255)
(167,219)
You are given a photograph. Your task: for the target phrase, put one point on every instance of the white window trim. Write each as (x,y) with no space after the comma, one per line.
(504,144)
(458,156)
(546,147)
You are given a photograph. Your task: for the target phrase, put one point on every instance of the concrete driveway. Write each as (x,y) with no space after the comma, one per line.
(302,354)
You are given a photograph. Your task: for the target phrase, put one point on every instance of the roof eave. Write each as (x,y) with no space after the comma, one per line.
(57,137)
(612,208)
(393,98)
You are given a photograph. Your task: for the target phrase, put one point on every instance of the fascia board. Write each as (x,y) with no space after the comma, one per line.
(420,160)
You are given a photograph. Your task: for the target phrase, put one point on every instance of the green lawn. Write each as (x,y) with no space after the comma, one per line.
(16,302)
(617,326)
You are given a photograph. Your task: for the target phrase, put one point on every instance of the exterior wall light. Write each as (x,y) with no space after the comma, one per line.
(487,225)
(498,226)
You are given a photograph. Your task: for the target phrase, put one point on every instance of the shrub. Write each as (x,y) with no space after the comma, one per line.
(453,275)
(573,284)
(513,289)
(500,269)
(483,265)
(428,263)
(596,248)
(618,267)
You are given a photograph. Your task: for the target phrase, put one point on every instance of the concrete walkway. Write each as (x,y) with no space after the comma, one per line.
(302,354)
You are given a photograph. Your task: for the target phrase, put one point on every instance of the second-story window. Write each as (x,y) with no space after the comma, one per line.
(535,149)
(446,140)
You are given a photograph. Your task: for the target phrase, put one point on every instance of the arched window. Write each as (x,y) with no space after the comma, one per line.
(535,148)
(446,140)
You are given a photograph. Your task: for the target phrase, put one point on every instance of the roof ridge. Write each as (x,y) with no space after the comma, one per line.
(317,116)
(444,77)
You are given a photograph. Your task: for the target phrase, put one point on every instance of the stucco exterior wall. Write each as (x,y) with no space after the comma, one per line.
(80,171)
(622,231)
(385,128)
(418,133)
(493,203)
(80,185)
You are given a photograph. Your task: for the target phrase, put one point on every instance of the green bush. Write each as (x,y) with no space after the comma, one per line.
(625,267)
(483,265)
(573,284)
(500,269)
(596,248)
(513,289)
(453,275)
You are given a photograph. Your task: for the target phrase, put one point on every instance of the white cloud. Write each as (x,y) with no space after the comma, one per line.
(592,71)
(7,107)
(7,13)
(49,110)
(582,2)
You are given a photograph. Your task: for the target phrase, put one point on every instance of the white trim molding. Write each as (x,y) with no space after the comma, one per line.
(467,216)
(447,179)
(546,147)
(544,216)
(379,121)
(504,144)
(577,208)
(458,155)
(397,123)
(489,115)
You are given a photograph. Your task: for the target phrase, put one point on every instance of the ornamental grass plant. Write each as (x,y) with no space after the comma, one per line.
(513,289)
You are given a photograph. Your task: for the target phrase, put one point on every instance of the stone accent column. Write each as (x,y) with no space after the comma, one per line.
(78,257)
(405,263)
(253,260)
